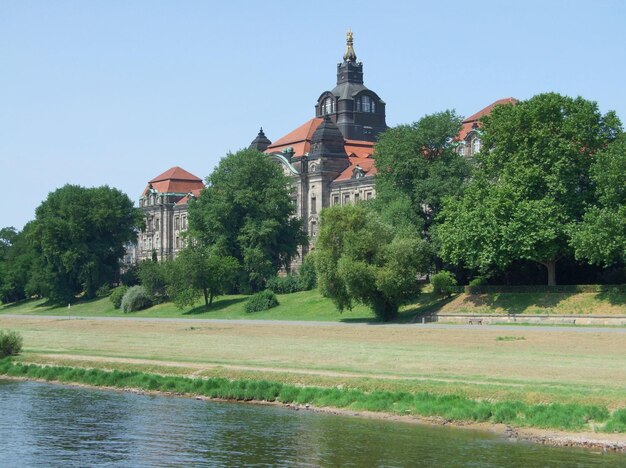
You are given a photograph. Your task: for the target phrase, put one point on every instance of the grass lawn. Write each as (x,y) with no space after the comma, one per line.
(612,302)
(306,305)
(311,306)
(531,365)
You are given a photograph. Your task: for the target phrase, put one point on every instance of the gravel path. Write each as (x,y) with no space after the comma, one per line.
(303,323)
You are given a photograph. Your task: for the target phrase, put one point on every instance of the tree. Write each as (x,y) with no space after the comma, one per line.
(18,276)
(247,212)
(530,185)
(197,271)
(360,258)
(153,276)
(79,236)
(601,236)
(418,167)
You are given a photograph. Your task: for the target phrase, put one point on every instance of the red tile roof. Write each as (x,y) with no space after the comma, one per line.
(359,152)
(299,139)
(367,164)
(175,180)
(469,122)
(195,193)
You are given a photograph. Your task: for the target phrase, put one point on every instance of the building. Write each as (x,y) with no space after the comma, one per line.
(330,156)
(164,202)
(469,136)
(329,159)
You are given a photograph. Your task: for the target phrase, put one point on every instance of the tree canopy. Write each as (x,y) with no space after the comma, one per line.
(79,236)
(246,212)
(198,271)
(601,236)
(360,258)
(530,185)
(418,167)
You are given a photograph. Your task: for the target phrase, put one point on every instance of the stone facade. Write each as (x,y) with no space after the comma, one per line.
(164,203)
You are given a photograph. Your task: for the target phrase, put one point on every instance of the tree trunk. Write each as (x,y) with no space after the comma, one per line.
(211,298)
(206,297)
(551,267)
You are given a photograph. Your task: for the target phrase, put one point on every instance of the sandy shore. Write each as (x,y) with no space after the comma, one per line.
(587,440)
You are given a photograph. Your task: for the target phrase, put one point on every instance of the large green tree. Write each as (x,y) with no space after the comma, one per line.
(247,212)
(530,186)
(418,167)
(198,271)
(360,258)
(79,236)
(601,236)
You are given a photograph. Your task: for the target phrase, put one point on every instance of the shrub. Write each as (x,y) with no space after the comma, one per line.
(444,283)
(116,296)
(261,301)
(284,284)
(307,273)
(103,291)
(478,281)
(10,343)
(136,298)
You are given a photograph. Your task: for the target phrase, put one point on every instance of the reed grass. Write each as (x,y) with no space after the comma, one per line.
(571,417)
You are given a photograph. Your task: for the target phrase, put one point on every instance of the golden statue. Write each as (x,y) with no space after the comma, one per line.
(350,55)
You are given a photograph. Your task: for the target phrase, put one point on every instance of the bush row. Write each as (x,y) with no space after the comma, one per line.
(450,407)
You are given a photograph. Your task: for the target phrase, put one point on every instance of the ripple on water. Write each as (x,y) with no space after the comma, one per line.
(54,425)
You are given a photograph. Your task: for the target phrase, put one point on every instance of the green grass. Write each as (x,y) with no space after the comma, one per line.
(306,305)
(572,417)
(610,302)
(311,306)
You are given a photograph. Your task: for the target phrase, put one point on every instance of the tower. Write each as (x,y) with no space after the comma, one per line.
(358,112)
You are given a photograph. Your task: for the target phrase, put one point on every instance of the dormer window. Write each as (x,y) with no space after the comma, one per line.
(365,104)
(358,172)
(328,106)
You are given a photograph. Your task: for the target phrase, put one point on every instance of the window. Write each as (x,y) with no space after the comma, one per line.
(328,106)
(462,149)
(313,228)
(356,197)
(176,222)
(346,198)
(184,222)
(476,145)
(336,200)
(177,242)
(368,195)
(365,104)
(313,205)
(156,224)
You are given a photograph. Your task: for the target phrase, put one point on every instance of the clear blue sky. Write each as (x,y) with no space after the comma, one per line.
(115,92)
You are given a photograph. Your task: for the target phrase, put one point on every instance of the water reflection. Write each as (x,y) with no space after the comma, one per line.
(44,425)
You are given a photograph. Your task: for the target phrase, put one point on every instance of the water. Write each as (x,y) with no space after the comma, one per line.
(53,425)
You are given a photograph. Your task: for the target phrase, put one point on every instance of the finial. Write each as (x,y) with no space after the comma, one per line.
(349,56)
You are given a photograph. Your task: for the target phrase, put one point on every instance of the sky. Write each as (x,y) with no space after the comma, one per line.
(116,92)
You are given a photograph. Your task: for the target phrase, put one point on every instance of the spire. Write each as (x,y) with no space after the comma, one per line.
(350,55)
(261,142)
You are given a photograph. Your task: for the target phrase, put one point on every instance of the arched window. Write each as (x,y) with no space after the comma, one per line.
(328,106)
(462,149)
(476,145)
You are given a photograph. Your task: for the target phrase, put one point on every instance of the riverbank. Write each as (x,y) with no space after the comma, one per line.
(297,398)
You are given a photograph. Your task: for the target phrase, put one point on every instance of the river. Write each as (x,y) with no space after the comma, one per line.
(55,425)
